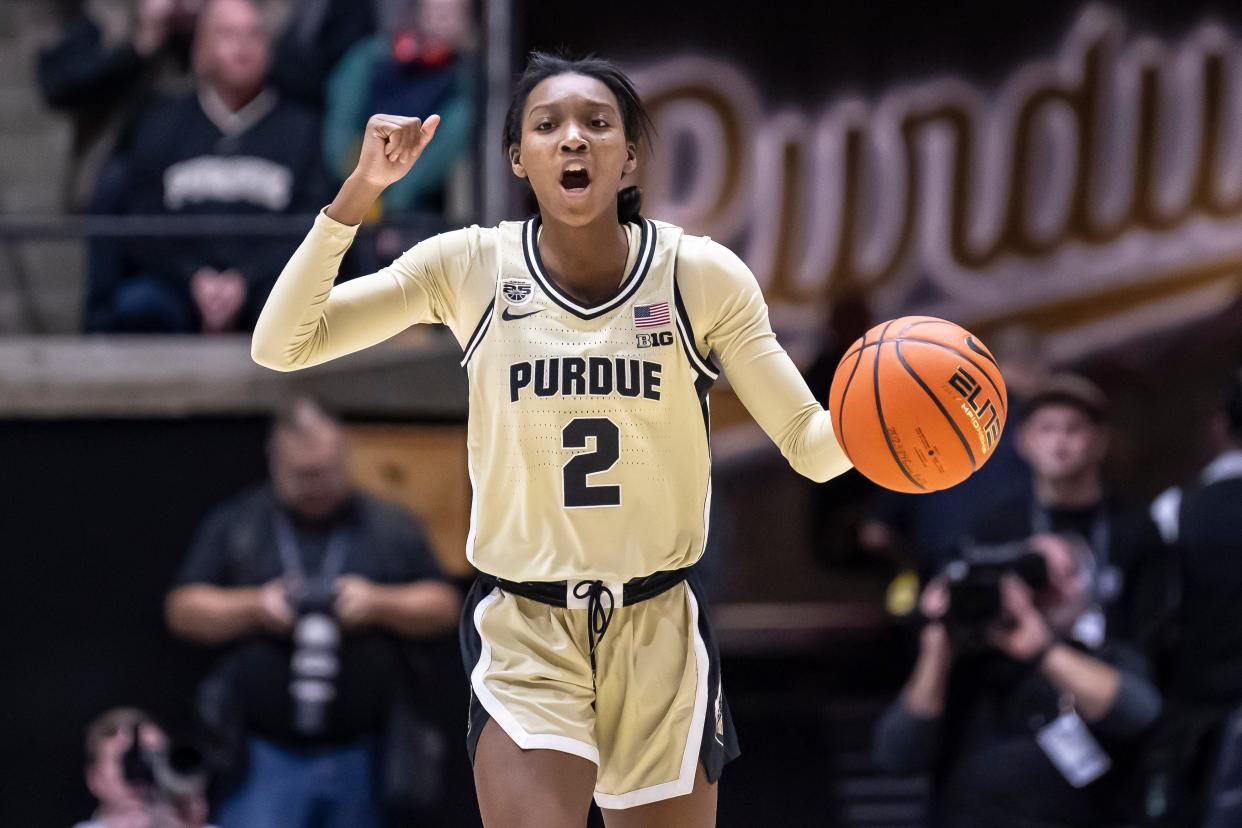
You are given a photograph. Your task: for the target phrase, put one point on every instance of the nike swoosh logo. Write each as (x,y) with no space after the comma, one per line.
(509,317)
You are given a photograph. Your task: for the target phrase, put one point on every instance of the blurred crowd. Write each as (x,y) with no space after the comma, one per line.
(215,108)
(1077,658)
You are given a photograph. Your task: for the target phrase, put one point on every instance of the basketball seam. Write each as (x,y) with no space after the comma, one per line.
(879,411)
(962,437)
(944,347)
(931,320)
(841,404)
(980,350)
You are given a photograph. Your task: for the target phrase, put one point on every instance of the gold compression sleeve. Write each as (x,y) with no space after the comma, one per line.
(730,317)
(307,321)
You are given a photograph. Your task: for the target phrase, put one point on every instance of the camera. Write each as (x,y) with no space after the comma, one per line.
(316,658)
(174,773)
(974,584)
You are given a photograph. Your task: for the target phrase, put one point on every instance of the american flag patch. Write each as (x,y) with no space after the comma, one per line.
(651,316)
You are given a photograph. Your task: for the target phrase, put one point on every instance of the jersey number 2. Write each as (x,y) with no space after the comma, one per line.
(607,448)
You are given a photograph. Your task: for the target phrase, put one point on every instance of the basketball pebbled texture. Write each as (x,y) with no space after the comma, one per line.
(918,404)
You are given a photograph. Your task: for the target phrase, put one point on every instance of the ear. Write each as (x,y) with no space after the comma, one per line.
(631,159)
(515,161)
(1023,443)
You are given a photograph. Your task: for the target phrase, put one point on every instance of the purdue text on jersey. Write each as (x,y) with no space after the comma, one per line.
(590,376)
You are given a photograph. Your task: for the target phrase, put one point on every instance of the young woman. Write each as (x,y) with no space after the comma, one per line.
(590,336)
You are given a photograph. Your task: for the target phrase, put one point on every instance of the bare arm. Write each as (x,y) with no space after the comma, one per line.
(924,692)
(1091,682)
(215,615)
(417,609)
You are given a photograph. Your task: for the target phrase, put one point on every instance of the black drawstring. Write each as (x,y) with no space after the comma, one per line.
(598,618)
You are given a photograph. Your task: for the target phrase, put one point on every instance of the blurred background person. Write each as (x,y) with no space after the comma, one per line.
(234,147)
(1198,768)
(315,590)
(106,63)
(318,35)
(1020,720)
(118,774)
(423,63)
(1064,436)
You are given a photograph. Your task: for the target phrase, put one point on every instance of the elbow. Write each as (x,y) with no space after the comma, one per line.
(819,470)
(1133,710)
(273,358)
(1146,706)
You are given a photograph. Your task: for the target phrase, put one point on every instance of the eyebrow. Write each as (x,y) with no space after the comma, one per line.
(593,104)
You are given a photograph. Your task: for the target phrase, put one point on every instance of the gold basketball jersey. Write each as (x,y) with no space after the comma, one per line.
(588,430)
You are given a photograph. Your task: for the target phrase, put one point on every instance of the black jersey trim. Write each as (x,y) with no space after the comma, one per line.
(479,330)
(646,254)
(703,364)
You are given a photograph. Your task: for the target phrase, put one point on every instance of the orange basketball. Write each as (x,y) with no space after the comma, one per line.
(918,404)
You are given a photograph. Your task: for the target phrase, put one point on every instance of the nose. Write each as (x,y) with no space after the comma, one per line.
(573,140)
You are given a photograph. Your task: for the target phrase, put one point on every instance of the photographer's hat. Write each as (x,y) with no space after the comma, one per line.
(1070,389)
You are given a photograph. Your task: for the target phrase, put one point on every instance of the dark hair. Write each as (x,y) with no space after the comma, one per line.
(298,415)
(634,118)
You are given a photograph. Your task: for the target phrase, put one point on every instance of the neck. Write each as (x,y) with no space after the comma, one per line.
(588,261)
(236,98)
(1070,493)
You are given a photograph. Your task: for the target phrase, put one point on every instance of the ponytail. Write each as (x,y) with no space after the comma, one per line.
(629,204)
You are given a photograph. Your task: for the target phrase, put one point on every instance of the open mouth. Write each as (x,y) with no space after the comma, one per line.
(575,180)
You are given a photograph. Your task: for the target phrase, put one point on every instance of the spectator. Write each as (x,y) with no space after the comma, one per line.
(1033,728)
(103,68)
(315,590)
(319,34)
(1203,522)
(424,64)
(125,802)
(233,148)
(1064,436)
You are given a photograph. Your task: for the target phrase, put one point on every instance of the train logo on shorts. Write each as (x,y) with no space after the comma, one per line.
(517,291)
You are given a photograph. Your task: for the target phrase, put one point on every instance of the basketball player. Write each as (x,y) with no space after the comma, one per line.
(590,336)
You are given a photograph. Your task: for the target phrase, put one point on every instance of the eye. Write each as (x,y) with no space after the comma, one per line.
(599,123)
(543,126)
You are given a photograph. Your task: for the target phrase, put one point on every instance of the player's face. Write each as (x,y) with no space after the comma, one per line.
(574,150)
(1061,442)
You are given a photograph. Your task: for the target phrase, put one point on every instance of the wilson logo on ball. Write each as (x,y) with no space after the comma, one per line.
(983,415)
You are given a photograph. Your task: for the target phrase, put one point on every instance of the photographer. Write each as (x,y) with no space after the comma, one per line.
(128,772)
(1020,720)
(1064,436)
(316,590)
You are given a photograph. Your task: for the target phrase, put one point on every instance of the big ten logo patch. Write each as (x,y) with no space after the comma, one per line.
(655,340)
(979,408)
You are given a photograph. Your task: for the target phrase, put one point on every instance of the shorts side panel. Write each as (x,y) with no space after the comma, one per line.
(528,672)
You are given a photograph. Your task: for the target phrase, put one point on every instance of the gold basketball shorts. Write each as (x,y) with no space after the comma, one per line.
(649,713)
